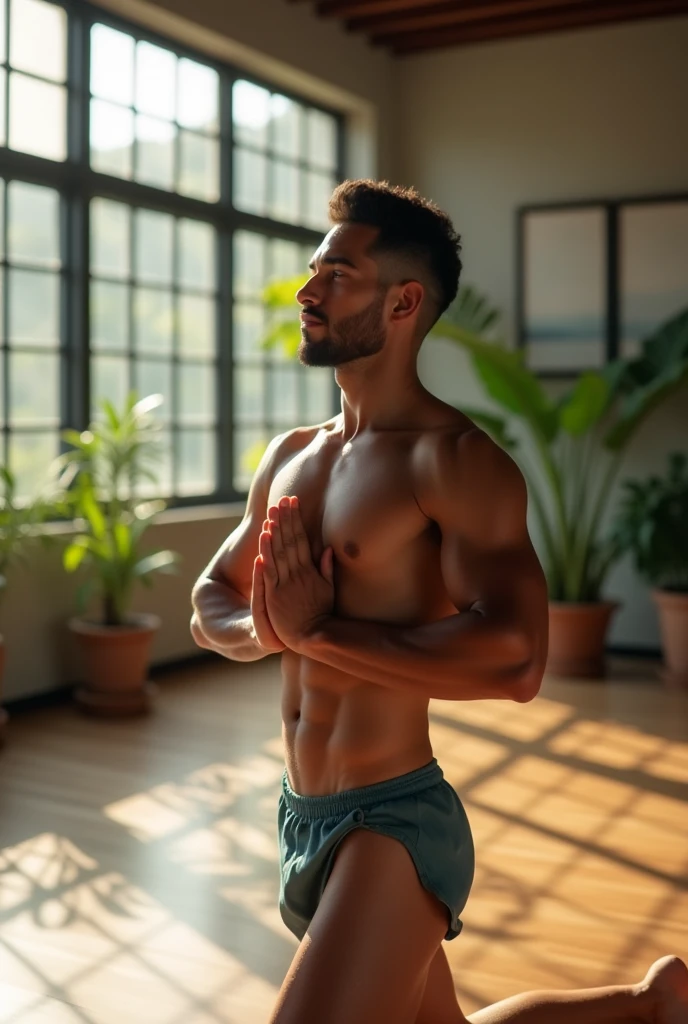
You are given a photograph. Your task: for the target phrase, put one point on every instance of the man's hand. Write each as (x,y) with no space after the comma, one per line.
(297,595)
(262,627)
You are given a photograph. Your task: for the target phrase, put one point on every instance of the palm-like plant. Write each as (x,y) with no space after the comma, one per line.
(98,481)
(19,522)
(578,441)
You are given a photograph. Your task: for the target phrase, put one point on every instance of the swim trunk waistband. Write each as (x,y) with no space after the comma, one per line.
(313,807)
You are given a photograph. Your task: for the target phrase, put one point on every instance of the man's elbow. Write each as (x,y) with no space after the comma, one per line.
(528,680)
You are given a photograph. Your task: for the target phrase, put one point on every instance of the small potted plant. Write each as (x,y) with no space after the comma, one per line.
(19,520)
(100,479)
(652,524)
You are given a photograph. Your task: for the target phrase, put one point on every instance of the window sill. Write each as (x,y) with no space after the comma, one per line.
(185,514)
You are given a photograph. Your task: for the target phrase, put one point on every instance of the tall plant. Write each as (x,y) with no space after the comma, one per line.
(99,480)
(19,522)
(578,441)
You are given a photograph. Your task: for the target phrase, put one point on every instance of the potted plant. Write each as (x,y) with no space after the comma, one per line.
(652,524)
(578,442)
(19,520)
(100,478)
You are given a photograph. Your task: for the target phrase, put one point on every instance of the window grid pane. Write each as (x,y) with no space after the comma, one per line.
(154,296)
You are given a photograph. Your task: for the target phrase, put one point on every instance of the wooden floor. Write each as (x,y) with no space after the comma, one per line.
(138,863)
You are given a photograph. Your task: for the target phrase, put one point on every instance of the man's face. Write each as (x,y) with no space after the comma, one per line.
(343,301)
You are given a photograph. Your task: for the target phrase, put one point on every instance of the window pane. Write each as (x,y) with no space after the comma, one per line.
(155,152)
(319,394)
(286,126)
(196,462)
(109,315)
(318,191)
(112,135)
(196,325)
(198,95)
(38,38)
(112,65)
(284,395)
(34,388)
(154,239)
(249,264)
(109,379)
(249,446)
(250,113)
(155,80)
(249,387)
(162,468)
(249,330)
(2,223)
(196,254)
(199,167)
(29,458)
(109,238)
(250,181)
(3,126)
(286,260)
(153,378)
(34,309)
(3,41)
(152,320)
(196,389)
(37,117)
(322,139)
(33,224)
(284,203)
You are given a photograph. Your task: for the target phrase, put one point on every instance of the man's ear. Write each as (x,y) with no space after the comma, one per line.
(408,300)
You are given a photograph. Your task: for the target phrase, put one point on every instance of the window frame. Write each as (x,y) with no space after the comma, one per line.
(77,184)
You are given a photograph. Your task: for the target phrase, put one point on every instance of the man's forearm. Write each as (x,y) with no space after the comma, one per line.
(463,657)
(222,622)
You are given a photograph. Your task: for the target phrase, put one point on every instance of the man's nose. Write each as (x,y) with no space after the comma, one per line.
(307,295)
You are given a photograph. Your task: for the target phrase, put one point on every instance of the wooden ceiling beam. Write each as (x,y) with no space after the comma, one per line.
(449,13)
(363,8)
(506,28)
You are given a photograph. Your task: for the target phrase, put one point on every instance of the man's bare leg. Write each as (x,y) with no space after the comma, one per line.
(660,998)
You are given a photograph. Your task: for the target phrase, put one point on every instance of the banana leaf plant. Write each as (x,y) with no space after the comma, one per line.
(97,484)
(578,440)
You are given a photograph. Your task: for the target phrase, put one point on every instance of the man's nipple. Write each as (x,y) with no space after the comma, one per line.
(351,550)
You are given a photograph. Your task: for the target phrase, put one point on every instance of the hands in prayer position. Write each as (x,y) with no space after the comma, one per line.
(290,594)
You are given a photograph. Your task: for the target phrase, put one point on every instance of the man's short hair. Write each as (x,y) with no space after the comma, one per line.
(410,227)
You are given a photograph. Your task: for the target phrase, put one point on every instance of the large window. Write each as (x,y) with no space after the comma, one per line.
(147,195)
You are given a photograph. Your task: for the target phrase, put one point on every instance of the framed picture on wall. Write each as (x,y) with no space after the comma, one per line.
(653,268)
(563,292)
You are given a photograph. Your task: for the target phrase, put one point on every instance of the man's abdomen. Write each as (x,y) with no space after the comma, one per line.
(341,732)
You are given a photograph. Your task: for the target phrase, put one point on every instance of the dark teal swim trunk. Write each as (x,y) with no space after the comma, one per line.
(420,809)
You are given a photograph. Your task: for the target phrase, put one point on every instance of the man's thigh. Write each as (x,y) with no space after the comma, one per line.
(366,954)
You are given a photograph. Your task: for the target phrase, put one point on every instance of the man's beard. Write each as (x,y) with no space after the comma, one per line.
(354,337)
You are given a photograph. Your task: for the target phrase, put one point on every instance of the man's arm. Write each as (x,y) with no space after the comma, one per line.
(223,619)
(496,644)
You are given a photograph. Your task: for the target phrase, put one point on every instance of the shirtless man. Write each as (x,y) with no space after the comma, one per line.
(385,554)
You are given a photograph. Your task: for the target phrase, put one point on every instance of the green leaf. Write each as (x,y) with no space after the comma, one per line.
(159,561)
(585,405)
(286,334)
(495,426)
(92,511)
(122,535)
(74,555)
(282,294)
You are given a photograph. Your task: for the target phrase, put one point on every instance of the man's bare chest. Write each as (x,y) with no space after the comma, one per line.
(360,501)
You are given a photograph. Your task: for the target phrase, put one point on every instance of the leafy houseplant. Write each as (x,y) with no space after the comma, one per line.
(100,477)
(578,442)
(19,521)
(652,525)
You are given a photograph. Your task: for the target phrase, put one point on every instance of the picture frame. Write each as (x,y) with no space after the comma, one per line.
(597,276)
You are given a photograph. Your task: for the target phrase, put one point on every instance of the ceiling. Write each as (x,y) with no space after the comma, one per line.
(411,26)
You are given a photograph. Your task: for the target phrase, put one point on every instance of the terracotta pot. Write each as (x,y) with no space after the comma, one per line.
(3,714)
(577,634)
(673,624)
(115,664)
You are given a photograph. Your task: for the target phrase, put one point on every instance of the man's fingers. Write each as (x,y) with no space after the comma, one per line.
(287,529)
(269,569)
(279,556)
(303,548)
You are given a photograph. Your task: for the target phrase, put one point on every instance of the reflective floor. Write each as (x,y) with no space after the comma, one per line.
(138,859)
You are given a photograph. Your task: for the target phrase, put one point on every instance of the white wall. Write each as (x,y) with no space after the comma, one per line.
(594,113)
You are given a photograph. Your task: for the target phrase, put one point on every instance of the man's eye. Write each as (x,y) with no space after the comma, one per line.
(337,273)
